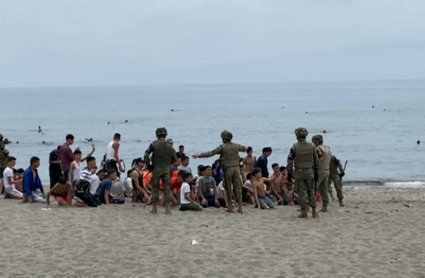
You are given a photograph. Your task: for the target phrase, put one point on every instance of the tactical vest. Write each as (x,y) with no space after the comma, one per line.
(230,156)
(161,154)
(325,159)
(304,152)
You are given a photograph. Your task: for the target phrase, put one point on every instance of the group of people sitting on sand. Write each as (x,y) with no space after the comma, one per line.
(92,187)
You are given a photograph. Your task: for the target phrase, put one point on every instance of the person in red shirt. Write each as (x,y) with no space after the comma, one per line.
(66,155)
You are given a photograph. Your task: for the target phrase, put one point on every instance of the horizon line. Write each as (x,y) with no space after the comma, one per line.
(222,84)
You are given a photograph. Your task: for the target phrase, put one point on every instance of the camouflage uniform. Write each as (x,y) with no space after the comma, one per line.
(334,176)
(229,159)
(324,154)
(4,153)
(303,158)
(163,155)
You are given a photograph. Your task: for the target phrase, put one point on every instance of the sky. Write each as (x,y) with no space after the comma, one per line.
(55,43)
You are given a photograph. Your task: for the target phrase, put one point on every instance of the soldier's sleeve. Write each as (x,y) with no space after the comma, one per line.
(338,162)
(315,161)
(319,152)
(291,157)
(242,148)
(6,153)
(148,152)
(216,151)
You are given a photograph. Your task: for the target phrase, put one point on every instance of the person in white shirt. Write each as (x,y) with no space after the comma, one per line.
(186,201)
(9,182)
(185,165)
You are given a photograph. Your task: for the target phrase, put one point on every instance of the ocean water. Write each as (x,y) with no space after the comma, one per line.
(379,143)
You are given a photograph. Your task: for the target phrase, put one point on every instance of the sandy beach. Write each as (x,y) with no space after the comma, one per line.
(378,234)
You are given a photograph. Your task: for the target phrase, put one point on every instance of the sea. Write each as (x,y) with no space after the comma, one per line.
(374,126)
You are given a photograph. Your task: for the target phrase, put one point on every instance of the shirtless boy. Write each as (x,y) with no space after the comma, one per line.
(62,192)
(262,201)
(277,185)
(249,161)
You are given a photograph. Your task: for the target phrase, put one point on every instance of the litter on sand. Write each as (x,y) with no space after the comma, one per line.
(194,242)
(45,209)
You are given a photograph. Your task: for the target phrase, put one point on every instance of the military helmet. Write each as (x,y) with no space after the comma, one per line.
(226,135)
(317,139)
(161,131)
(301,132)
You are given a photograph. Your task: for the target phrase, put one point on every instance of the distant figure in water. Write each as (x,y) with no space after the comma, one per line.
(126,121)
(89,139)
(108,123)
(384,109)
(44,142)
(306,112)
(39,129)
(419,142)
(373,106)
(324,131)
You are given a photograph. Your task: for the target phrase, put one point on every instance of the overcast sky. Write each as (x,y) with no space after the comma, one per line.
(140,42)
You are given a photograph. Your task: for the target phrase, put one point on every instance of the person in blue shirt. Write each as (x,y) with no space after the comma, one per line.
(262,162)
(112,190)
(33,188)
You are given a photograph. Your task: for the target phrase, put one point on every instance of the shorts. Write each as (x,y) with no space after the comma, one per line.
(12,192)
(61,199)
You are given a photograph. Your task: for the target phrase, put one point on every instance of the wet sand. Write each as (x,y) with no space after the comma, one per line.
(375,235)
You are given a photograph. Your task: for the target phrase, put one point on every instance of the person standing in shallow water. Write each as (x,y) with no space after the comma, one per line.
(163,155)
(303,157)
(229,154)
(324,154)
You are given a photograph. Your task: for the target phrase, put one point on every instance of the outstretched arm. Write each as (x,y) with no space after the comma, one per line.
(216,151)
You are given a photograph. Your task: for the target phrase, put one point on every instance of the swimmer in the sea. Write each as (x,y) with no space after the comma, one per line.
(89,139)
(126,121)
(39,129)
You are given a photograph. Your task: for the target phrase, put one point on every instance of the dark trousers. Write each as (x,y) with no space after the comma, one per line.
(210,202)
(54,177)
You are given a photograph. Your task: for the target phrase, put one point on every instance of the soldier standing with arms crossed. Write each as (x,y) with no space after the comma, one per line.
(303,157)
(324,153)
(229,154)
(336,177)
(163,155)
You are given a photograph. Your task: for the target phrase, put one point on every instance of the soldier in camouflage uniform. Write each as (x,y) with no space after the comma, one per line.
(229,155)
(336,177)
(303,158)
(4,153)
(163,155)
(324,153)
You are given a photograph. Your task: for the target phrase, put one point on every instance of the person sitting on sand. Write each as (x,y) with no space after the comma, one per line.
(96,180)
(33,188)
(139,191)
(277,186)
(262,201)
(187,203)
(83,195)
(247,191)
(112,190)
(185,165)
(175,166)
(76,165)
(62,191)
(207,189)
(9,181)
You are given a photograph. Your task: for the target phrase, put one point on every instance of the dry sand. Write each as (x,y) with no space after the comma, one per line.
(375,235)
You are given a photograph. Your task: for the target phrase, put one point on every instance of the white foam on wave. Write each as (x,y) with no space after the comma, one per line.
(405,184)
